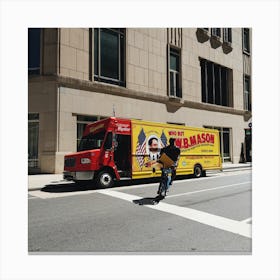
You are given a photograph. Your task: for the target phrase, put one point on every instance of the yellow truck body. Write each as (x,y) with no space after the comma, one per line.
(200,147)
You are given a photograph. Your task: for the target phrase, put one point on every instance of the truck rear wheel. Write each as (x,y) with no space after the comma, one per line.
(105,179)
(197,172)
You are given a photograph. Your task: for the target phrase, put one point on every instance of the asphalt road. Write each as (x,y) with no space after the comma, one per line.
(210,215)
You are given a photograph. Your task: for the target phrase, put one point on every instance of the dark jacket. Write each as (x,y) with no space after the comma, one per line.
(171,151)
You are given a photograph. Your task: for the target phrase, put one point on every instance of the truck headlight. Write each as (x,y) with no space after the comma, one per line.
(85,160)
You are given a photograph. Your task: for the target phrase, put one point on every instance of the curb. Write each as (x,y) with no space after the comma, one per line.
(236,169)
(233,168)
(230,169)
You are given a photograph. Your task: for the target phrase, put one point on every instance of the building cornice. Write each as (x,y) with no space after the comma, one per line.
(69,82)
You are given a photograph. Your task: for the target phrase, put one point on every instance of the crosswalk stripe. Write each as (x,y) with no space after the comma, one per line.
(215,221)
(46,195)
(210,189)
(247,220)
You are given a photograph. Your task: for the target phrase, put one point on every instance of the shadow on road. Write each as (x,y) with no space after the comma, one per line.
(85,186)
(148,200)
(69,187)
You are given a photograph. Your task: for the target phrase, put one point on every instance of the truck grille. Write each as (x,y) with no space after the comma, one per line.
(69,162)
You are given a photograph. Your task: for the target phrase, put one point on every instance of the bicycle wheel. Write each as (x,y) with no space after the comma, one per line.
(162,192)
(159,188)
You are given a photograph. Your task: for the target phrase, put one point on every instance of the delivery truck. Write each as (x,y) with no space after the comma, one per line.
(115,148)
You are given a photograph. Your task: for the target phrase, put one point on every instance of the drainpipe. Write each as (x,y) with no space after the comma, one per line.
(58,119)
(58,93)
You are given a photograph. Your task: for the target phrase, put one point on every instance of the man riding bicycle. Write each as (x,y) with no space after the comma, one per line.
(169,157)
(172,152)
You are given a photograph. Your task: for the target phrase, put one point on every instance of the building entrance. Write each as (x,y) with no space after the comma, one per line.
(248,145)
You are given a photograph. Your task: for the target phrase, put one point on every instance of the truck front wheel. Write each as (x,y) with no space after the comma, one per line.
(104,179)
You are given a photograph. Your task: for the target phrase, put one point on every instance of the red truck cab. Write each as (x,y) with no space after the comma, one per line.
(104,153)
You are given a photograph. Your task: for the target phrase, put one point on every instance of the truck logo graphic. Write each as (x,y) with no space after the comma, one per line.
(150,146)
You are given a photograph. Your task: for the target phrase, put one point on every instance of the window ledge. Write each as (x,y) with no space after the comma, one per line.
(227,48)
(176,100)
(213,108)
(202,35)
(247,115)
(215,41)
(62,81)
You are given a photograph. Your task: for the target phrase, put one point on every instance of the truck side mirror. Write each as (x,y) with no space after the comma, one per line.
(115,144)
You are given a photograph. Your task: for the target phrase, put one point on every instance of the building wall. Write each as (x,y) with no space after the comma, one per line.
(43,100)
(68,56)
(74,53)
(146,60)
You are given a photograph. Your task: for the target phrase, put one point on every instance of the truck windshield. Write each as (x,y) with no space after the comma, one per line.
(91,141)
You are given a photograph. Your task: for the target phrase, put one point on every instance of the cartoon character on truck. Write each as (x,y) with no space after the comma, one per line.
(114,149)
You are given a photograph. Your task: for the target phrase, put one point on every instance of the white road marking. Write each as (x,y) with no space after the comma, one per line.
(206,190)
(191,214)
(46,195)
(33,197)
(246,221)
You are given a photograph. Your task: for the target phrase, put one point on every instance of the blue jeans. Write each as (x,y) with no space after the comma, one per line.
(169,177)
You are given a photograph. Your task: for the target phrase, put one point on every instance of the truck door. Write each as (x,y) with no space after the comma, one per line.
(122,153)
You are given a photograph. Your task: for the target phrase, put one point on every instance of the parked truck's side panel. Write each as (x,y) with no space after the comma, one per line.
(199,147)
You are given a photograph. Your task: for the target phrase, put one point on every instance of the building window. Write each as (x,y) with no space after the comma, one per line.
(216,32)
(33,139)
(82,121)
(109,55)
(34,51)
(227,35)
(174,73)
(216,83)
(246,40)
(225,142)
(247,93)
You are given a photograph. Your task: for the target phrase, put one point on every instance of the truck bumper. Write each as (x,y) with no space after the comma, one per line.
(78,175)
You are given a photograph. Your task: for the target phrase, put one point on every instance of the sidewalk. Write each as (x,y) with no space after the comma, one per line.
(229,166)
(38,181)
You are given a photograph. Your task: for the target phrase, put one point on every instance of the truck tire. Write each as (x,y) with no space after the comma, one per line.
(104,179)
(197,171)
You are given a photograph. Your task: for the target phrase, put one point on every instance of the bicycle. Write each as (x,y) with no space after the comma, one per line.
(165,181)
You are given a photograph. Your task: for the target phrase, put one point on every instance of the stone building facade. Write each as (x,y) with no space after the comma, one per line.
(191,76)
